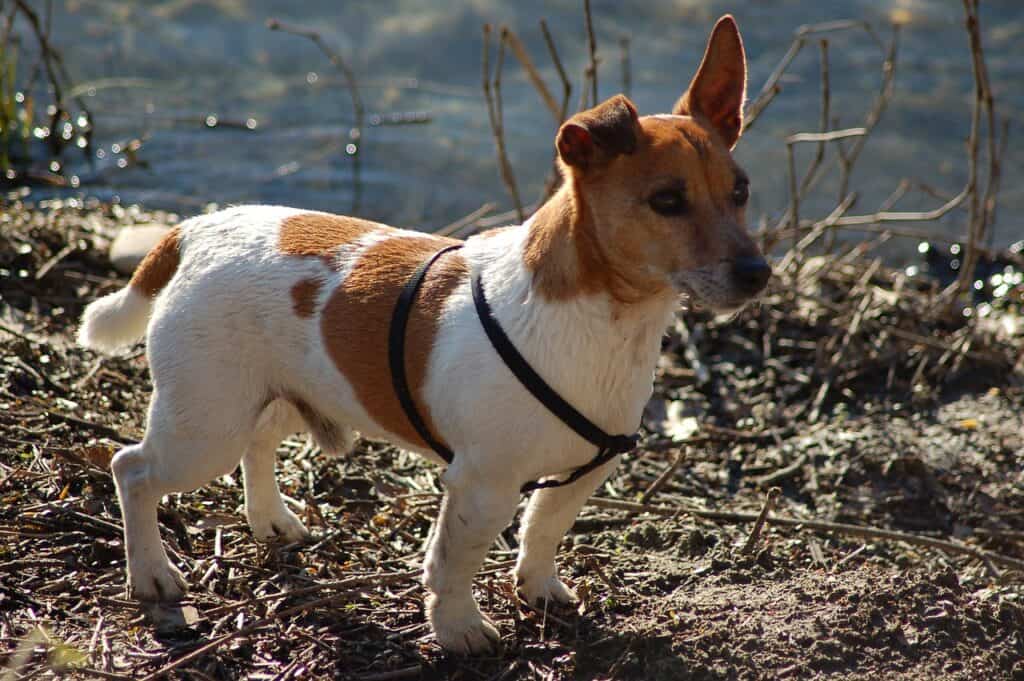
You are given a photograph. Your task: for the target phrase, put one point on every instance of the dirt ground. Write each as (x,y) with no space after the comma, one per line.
(928,445)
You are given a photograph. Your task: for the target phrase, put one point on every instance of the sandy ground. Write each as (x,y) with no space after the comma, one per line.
(668,591)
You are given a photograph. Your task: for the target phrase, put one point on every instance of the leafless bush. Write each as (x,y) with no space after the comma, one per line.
(37,124)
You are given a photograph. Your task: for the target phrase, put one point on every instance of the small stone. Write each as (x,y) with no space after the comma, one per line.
(132,244)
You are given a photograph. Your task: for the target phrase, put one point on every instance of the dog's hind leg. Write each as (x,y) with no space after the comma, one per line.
(264,508)
(151,575)
(177,455)
(549,515)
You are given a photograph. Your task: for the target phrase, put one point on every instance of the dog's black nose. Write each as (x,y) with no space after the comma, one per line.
(751,274)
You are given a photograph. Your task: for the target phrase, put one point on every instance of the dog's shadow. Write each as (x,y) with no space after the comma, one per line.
(565,643)
(173,624)
(562,641)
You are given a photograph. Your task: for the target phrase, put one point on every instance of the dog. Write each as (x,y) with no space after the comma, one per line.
(263,321)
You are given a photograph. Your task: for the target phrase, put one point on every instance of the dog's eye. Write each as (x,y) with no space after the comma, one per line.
(741,192)
(668,202)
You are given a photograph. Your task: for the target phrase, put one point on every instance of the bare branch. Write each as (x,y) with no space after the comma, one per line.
(355,134)
(825,136)
(591,72)
(624,62)
(794,200)
(979,211)
(466,221)
(771,86)
(335,59)
(495,115)
(826,105)
(847,158)
(531,71)
(566,85)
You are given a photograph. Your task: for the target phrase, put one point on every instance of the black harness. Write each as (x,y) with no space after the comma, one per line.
(608,446)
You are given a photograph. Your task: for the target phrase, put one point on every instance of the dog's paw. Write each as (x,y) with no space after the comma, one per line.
(460,627)
(283,526)
(545,589)
(163,583)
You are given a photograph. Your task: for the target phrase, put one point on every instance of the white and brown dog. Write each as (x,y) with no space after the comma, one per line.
(263,321)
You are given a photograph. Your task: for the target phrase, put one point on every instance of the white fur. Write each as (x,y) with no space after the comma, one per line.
(114,321)
(223,336)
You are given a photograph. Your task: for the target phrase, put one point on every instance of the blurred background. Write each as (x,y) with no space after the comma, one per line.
(228,111)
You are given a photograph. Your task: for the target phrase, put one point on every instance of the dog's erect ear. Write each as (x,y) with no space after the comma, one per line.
(600,134)
(720,86)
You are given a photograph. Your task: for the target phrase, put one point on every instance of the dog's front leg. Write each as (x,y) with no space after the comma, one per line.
(549,515)
(473,512)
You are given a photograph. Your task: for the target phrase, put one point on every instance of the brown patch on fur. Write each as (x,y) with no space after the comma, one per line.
(321,234)
(357,318)
(561,249)
(596,135)
(159,265)
(304,297)
(599,233)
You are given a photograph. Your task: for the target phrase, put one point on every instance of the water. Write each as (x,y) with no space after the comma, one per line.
(157,70)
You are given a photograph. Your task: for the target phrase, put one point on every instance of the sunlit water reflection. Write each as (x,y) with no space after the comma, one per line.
(157,70)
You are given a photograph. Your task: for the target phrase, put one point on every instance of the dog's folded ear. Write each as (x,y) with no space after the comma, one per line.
(597,135)
(720,86)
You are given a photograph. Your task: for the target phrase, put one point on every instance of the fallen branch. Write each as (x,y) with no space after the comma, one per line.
(948,546)
(277,616)
(665,476)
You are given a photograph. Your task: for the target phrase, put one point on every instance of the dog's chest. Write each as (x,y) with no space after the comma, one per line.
(599,364)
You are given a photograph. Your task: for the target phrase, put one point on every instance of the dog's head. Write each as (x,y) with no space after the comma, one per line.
(664,199)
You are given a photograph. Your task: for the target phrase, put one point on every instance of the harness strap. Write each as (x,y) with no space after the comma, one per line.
(609,446)
(600,459)
(396,353)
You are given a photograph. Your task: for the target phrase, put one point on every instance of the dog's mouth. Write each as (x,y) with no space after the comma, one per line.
(688,298)
(692,299)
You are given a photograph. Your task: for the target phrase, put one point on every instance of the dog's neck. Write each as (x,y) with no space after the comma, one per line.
(565,317)
(567,258)
(567,262)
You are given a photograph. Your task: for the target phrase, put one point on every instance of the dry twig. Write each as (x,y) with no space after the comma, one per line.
(591,71)
(755,532)
(496,117)
(563,108)
(948,546)
(355,134)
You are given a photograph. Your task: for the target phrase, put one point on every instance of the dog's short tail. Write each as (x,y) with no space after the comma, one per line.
(120,319)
